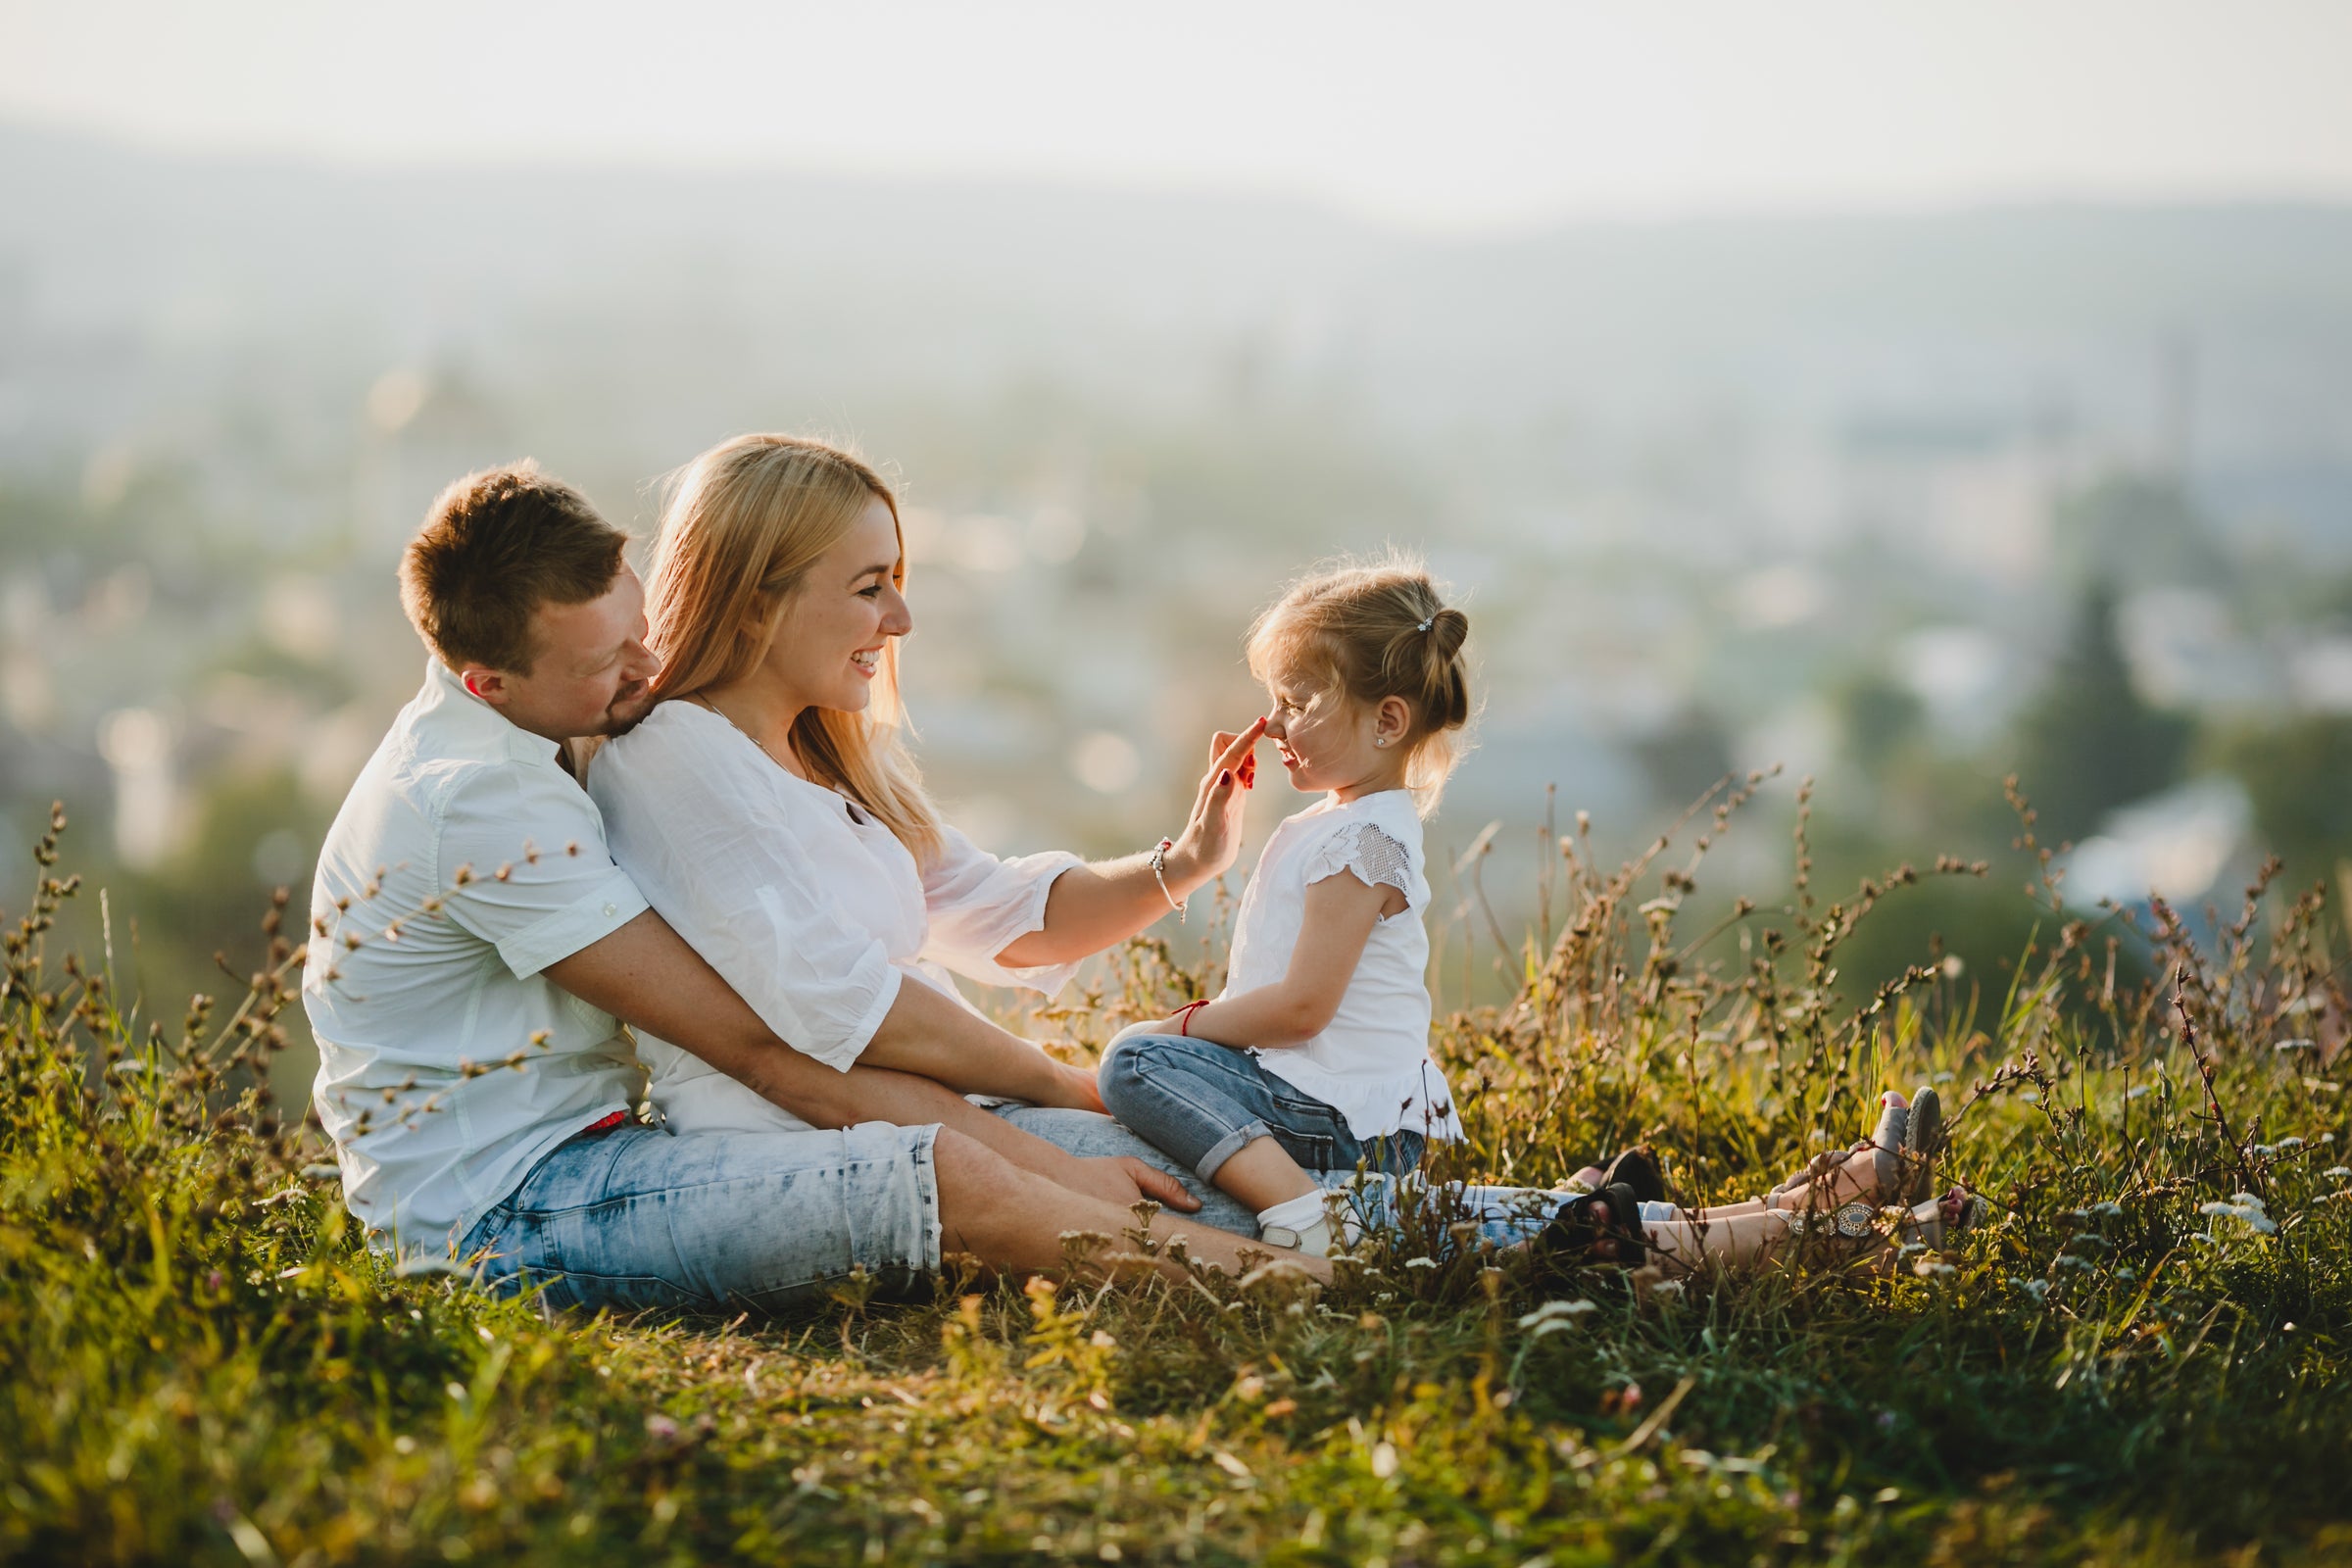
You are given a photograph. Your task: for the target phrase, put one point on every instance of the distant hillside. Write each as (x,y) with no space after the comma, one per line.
(785,279)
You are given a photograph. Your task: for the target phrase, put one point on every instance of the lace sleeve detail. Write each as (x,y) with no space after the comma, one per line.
(1373,855)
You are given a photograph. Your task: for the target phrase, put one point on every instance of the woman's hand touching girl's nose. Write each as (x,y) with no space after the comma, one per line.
(1212,835)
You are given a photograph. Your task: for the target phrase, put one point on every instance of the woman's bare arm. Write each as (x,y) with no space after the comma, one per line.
(1094,906)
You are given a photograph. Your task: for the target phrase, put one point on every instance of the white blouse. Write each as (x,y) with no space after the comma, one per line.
(1372,1064)
(806,904)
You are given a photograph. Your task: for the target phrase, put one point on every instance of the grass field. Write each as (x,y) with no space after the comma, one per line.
(2142,1360)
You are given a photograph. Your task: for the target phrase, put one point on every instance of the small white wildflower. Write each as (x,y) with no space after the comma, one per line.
(1553,1311)
(1420,1262)
(2290,1143)
(2137,1090)
(2338,1172)
(2246,1211)
(2032,1096)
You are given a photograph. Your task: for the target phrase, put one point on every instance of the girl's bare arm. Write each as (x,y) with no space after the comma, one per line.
(1340,912)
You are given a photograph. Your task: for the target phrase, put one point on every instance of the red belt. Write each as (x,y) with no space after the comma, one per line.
(619,1118)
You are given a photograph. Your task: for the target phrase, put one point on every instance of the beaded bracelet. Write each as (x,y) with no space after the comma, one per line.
(1159,875)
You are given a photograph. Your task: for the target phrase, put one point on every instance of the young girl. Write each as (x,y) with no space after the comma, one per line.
(1315,1057)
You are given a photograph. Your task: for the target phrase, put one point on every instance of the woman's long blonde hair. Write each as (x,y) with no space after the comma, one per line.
(745,523)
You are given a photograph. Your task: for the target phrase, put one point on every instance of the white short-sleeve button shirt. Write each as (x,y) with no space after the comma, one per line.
(465,861)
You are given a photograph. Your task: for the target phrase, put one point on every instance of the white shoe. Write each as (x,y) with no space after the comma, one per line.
(1308,1224)
(1313,1239)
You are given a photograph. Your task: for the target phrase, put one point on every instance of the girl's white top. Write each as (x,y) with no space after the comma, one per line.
(1372,1064)
(806,904)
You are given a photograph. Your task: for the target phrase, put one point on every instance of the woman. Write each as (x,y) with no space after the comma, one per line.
(769,812)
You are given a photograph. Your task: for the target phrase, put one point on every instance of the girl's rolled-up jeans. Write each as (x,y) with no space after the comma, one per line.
(1204,1102)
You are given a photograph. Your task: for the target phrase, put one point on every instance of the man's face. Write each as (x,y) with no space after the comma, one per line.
(591,673)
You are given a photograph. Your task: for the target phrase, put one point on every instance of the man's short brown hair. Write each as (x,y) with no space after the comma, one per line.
(494,548)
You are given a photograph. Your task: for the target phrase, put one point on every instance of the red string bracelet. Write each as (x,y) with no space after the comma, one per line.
(1184,1017)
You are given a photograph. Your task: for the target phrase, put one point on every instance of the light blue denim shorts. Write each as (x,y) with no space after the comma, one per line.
(636,1218)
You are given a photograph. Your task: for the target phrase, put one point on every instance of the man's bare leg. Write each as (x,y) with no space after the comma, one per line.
(1013,1219)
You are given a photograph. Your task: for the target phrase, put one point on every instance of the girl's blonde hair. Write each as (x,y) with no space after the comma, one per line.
(1366,630)
(745,523)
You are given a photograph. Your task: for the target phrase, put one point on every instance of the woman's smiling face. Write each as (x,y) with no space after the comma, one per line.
(828,645)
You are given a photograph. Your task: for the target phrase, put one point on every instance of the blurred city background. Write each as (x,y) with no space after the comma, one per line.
(1904,484)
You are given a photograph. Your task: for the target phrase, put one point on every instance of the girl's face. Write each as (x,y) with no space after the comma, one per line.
(828,644)
(1328,742)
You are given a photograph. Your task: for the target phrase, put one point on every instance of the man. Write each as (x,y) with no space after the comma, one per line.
(474,952)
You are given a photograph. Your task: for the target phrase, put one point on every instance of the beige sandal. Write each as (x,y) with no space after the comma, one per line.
(1934,1225)
(1889,1140)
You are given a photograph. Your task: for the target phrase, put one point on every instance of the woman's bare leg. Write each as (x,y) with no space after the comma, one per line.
(1752,1238)
(1740,1241)
(1856,1177)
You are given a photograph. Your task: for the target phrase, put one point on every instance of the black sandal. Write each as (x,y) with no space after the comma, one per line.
(1637,1168)
(1614,1216)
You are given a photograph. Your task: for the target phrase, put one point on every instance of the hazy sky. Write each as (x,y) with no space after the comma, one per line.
(1456,114)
